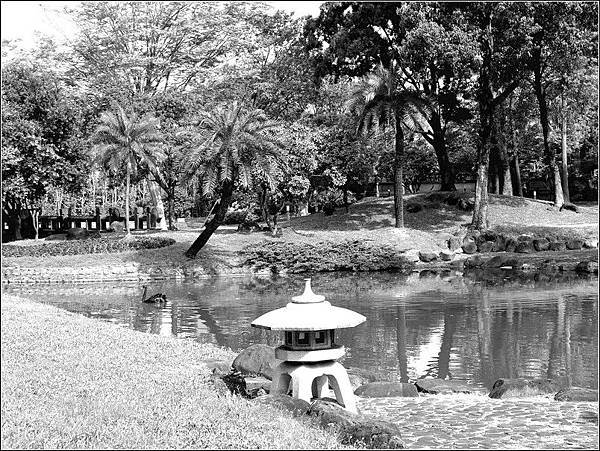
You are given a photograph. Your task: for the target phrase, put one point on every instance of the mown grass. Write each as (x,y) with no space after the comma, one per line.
(72,382)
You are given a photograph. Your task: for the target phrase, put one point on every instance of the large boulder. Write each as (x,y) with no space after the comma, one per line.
(510,245)
(574,245)
(258,359)
(298,407)
(541,244)
(357,429)
(446,255)
(435,386)
(502,386)
(524,247)
(469,247)
(386,390)
(498,261)
(590,244)
(577,394)
(425,256)
(485,246)
(557,246)
(476,261)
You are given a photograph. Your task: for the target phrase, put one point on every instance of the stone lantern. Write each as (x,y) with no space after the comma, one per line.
(309,354)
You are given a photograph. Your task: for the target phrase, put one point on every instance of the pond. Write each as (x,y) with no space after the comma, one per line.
(475,327)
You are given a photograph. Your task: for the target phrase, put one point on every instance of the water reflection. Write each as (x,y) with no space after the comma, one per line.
(475,327)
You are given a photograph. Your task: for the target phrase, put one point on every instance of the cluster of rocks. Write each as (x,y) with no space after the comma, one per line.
(434,200)
(473,242)
(561,387)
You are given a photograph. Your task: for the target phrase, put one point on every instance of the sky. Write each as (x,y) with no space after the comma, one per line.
(22,19)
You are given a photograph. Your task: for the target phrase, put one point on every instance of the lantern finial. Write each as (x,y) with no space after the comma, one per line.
(308,297)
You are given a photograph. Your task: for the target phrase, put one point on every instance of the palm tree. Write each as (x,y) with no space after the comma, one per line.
(380,100)
(126,141)
(229,147)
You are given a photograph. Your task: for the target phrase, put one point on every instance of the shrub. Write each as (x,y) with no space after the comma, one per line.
(235,217)
(324,256)
(91,246)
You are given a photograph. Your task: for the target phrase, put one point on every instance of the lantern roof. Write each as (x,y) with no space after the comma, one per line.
(308,312)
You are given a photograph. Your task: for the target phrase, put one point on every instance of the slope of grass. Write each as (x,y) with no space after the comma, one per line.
(72,382)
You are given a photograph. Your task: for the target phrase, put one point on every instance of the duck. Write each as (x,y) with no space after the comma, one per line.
(158,298)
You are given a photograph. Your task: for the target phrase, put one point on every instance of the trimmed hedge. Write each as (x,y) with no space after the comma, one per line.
(91,246)
(324,256)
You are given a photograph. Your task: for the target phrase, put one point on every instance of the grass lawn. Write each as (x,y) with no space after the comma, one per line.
(72,382)
(370,219)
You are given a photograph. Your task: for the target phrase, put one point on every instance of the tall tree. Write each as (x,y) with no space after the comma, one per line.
(380,99)
(42,147)
(433,55)
(126,141)
(500,31)
(227,148)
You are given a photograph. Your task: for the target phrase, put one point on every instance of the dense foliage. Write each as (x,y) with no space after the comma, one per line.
(505,93)
(325,256)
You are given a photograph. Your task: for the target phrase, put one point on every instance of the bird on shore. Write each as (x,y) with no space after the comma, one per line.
(158,298)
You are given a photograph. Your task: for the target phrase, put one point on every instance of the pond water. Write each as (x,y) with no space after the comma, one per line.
(475,327)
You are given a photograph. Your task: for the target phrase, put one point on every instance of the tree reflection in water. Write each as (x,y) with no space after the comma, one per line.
(475,327)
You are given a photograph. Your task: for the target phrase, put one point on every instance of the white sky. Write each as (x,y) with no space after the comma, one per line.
(22,19)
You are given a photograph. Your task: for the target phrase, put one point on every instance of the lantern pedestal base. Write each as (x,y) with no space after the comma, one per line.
(323,374)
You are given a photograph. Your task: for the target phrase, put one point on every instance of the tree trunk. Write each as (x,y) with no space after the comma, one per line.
(154,191)
(518,185)
(480,220)
(398,166)
(171,208)
(563,148)
(215,222)
(127,188)
(447,175)
(548,153)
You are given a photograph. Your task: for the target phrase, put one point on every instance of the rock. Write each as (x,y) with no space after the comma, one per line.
(498,261)
(590,244)
(357,380)
(414,208)
(454,243)
(357,429)
(524,247)
(411,255)
(587,267)
(476,261)
(386,389)
(469,247)
(574,245)
(298,407)
(501,386)
(510,245)
(577,394)
(557,246)
(77,233)
(499,244)
(523,238)
(569,206)
(541,245)
(116,226)
(435,386)
(427,256)
(486,246)
(219,385)
(446,255)
(258,359)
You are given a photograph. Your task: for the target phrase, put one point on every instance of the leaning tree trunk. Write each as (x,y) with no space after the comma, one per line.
(127,189)
(548,153)
(215,222)
(563,148)
(398,166)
